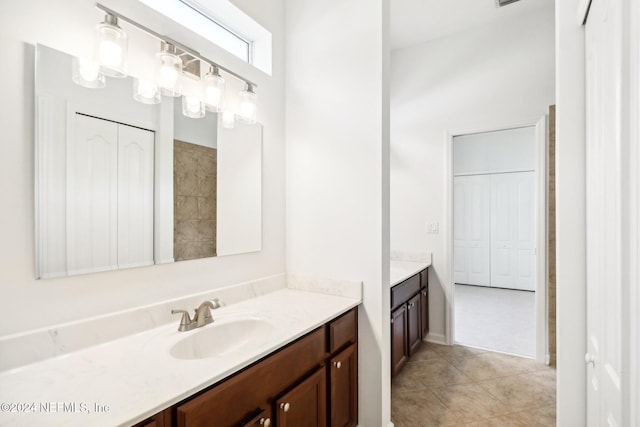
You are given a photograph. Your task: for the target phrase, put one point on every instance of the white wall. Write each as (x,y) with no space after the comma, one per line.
(478,80)
(337,167)
(27,303)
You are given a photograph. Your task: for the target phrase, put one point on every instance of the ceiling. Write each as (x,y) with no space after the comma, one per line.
(418,21)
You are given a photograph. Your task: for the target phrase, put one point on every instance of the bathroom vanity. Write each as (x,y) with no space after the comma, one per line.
(409,310)
(274,355)
(311,382)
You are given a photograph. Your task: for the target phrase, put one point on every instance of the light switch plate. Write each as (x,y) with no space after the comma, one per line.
(433,228)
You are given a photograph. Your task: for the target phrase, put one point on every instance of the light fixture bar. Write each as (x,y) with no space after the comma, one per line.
(173,42)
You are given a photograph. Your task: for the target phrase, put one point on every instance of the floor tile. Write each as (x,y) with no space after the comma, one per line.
(421,409)
(493,365)
(470,400)
(430,373)
(524,391)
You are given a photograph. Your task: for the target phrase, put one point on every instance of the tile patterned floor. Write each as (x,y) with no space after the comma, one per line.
(462,386)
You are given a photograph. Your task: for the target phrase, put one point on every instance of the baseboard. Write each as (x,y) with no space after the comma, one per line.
(436,338)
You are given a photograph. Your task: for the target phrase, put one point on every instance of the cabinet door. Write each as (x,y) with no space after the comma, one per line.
(413,323)
(343,380)
(424,303)
(304,405)
(263,419)
(399,339)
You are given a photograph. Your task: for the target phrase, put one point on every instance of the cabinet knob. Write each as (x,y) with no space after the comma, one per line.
(337,364)
(424,293)
(285,406)
(266,422)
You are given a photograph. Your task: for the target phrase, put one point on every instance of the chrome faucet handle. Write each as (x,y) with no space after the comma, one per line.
(203,312)
(216,303)
(185,322)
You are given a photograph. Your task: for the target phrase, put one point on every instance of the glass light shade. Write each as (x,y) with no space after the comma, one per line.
(146,92)
(85,72)
(111,47)
(227,119)
(169,75)
(213,90)
(248,105)
(192,107)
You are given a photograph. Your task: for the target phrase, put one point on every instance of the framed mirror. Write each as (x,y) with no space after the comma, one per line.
(121,184)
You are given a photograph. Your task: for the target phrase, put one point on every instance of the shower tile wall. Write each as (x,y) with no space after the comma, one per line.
(194,201)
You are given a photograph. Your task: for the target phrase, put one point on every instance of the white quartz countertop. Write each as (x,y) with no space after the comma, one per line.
(402,270)
(124,381)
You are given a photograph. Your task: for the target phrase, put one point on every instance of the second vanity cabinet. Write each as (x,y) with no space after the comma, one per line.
(409,318)
(312,382)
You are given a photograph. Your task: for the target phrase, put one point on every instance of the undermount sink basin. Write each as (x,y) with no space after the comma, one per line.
(224,337)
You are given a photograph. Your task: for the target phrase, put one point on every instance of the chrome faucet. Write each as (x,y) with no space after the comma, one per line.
(201,317)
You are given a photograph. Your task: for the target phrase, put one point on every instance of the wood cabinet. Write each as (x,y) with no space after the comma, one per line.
(399,350)
(311,382)
(343,380)
(409,318)
(304,405)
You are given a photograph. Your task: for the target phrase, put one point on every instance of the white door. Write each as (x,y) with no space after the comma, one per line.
(92,191)
(471,229)
(513,230)
(135,196)
(604,213)
(460,274)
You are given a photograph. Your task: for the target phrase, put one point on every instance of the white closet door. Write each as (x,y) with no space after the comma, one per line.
(478,226)
(513,231)
(606,222)
(460,273)
(471,230)
(92,193)
(135,196)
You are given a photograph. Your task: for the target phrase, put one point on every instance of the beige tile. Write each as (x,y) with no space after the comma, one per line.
(431,373)
(185,184)
(493,365)
(206,230)
(185,207)
(524,391)
(184,158)
(470,400)
(206,207)
(206,185)
(425,352)
(454,353)
(186,229)
(421,409)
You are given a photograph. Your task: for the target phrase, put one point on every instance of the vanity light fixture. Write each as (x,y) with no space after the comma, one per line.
(169,75)
(146,92)
(85,72)
(227,119)
(192,107)
(213,89)
(111,47)
(248,104)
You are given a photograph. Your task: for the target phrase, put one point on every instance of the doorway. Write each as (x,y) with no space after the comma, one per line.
(497,240)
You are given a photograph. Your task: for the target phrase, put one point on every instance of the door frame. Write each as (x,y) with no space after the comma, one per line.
(541,303)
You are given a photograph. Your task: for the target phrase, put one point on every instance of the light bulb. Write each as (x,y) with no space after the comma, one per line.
(168,76)
(228,119)
(248,105)
(169,71)
(213,95)
(213,89)
(86,73)
(89,70)
(110,53)
(192,107)
(111,47)
(146,92)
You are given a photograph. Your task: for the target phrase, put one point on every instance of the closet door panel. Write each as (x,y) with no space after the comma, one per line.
(135,196)
(479,223)
(92,160)
(512,231)
(460,274)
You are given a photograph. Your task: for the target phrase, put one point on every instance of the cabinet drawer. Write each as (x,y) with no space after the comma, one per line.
(405,290)
(343,330)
